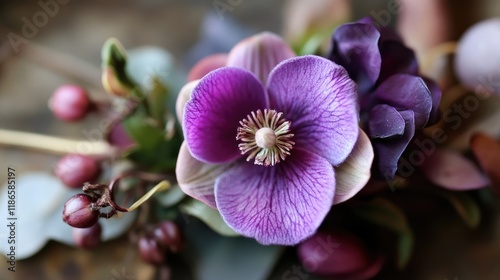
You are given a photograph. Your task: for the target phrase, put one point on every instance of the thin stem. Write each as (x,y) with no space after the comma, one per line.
(162,186)
(55,145)
(65,64)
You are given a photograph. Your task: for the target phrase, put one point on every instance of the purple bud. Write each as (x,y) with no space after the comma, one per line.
(338,254)
(169,235)
(87,238)
(78,211)
(70,103)
(74,170)
(151,251)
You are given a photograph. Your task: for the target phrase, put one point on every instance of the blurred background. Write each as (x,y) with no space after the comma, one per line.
(66,45)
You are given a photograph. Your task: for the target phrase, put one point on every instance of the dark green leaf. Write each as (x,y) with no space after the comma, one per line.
(208,215)
(216,257)
(385,214)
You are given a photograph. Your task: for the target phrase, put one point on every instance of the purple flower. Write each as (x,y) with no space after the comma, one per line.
(266,137)
(394,101)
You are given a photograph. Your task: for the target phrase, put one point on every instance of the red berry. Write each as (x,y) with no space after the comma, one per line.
(169,235)
(87,238)
(74,170)
(78,211)
(70,103)
(151,251)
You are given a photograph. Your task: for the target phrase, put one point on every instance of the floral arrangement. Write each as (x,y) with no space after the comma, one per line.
(319,152)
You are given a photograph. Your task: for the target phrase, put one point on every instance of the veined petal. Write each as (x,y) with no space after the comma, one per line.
(259,54)
(281,205)
(406,92)
(320,100)
(353,174)
(385,122)
(222,98)
(389,151)
(196,178)
(355,45)
(183,98)
(206,65)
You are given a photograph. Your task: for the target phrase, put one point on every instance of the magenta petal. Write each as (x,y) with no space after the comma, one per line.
(320,100)
(206,65)
(385,121)
(453,171)
(406,92)
(221,99)
(259,54)
(280,205)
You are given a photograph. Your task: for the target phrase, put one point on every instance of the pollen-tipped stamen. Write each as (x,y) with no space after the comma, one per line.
(266,137)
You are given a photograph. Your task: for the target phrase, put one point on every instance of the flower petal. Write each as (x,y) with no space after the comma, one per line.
(355,45)
(486,149)
(206,65)
(196,178)
(389,151)
(453,171)
(353,174)
(319,99)
(436,93)
(406,92)
(259,54)
(183,98)
(385,121)
(397,59)
(222,98)
(281,205)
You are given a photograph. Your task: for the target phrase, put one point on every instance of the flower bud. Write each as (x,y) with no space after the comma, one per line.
(74,170)
(78,211)
(151,251)
(476,60)
(87,238)
(70,103)
(115,79)
(338,254)
(118,137)
(169,235)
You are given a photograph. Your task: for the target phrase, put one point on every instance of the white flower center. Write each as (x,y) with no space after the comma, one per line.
(266,136)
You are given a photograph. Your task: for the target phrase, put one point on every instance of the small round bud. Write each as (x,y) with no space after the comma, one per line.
(70,103)
(87,238)
(477,57)
(75,170)
(151,251)
(169,235)
(78,211)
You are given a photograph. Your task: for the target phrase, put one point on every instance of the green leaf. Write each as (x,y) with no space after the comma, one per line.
(170,197)
(115,77)
(156,101)
(385,214)
(465,206)
(208,215)
(153,149)
(217,257)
